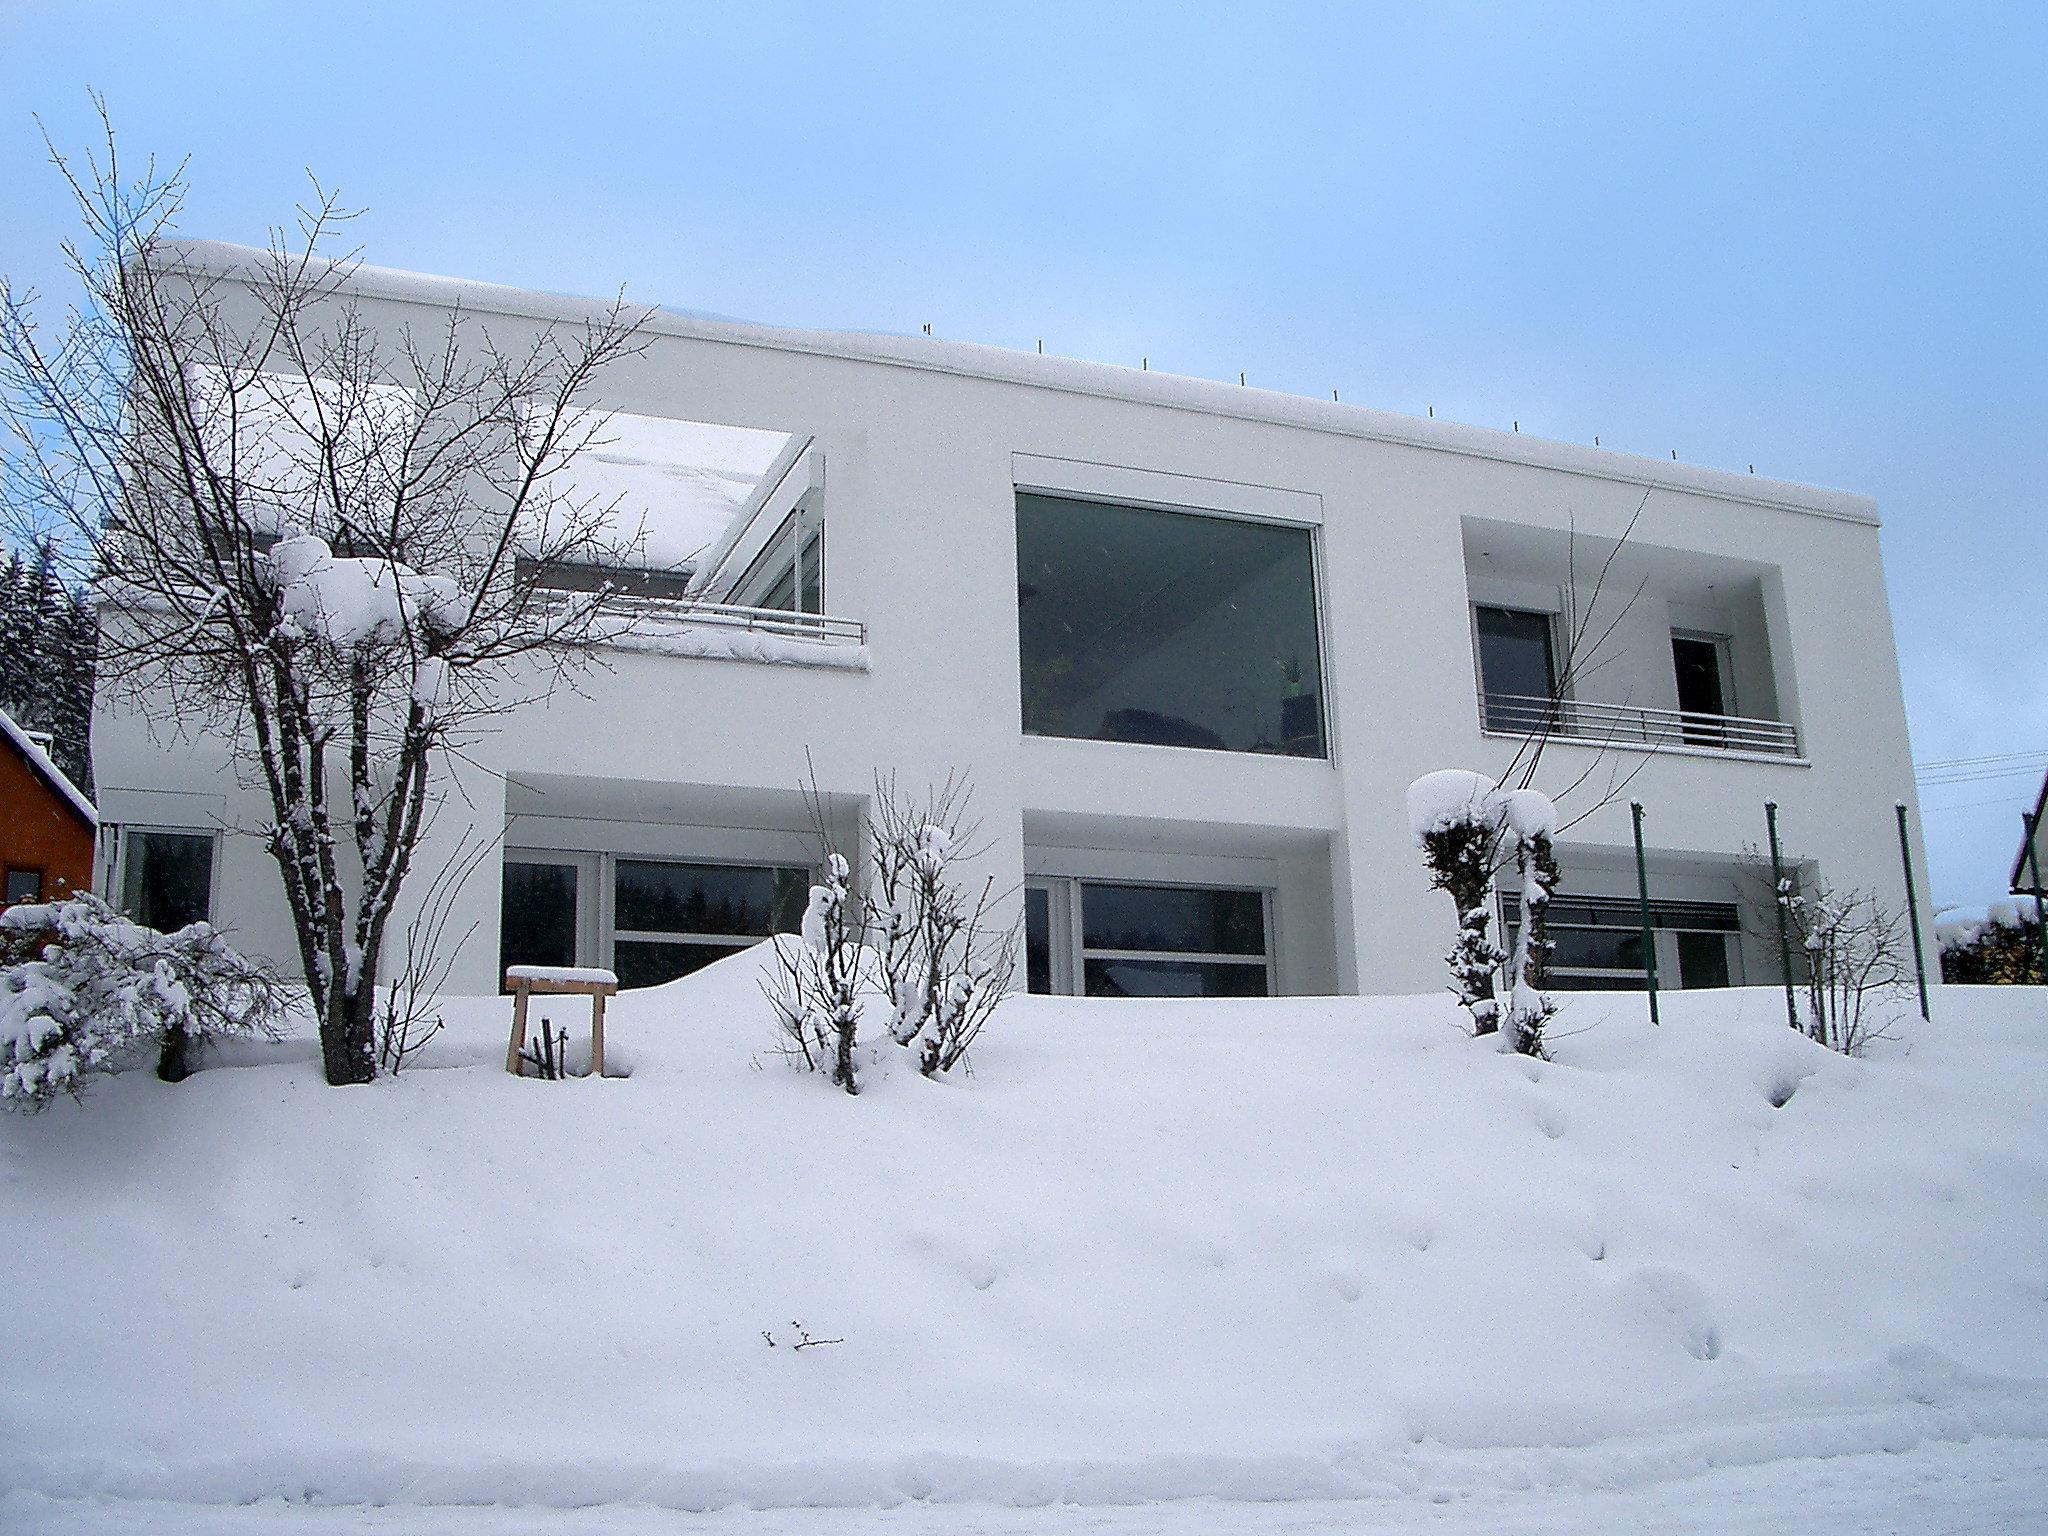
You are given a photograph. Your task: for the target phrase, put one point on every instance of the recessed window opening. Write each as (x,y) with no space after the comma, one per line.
(670,919)
(1168,628)
(167,877)
(1517,666)
(1599,942)
(1147,940)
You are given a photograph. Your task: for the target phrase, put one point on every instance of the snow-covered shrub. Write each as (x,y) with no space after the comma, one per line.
(1531,823)
(819,979)
(1455,817)
(1857,966)
(80,984)
(1998,945)
(1470,830)
(944,966)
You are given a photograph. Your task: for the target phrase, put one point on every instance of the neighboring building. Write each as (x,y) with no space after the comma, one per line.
(1191,641)
(2028,873)
(46,825)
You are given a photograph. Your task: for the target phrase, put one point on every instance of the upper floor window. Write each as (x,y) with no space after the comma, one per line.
(1171,628)
(167,878)
(1517,665)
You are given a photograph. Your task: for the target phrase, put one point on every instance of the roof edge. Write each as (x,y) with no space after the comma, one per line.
(40,763)
(1077,376)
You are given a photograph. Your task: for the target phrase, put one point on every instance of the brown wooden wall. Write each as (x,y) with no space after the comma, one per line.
(40,830)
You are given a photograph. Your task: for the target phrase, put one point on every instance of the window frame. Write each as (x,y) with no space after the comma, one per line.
(1271,517)
(1560,686)
(612,934)
(124,850)
(1667,921)
(7,874)
(1069,959)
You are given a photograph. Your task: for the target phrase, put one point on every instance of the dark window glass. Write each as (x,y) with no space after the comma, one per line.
(1193,921)
(1588,983)
(655,897)
(811,579)
(23,885)
(537,916)
(168,881)
(1702,960)
(1516,664)
(645,963)
(1105,977)
(1600,949)
(1037,939)
(1698,665)
(1167,628)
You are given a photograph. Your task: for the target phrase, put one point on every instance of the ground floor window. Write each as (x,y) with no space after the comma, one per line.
(670,919)
(1105,939)
(167,877)
(1599,942)
(22,885)
(650,920)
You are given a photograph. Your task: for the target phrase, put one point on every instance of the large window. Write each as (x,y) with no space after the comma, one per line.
(538,913)
(167,878)
(1169,628)
(1517,666)
(1146,940)
(672,919)
(1599,942)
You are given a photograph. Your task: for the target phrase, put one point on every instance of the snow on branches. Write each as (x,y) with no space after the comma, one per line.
(80,984)
(1470,831)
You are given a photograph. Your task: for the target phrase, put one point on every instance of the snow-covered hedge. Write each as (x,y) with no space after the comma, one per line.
(80,985)
(1999,943)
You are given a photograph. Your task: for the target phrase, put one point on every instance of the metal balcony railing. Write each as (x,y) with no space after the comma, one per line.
(1635,725)
(642,616)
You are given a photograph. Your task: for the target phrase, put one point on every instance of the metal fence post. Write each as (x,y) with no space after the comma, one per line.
(1913,911)
(1635,808)
(1782,898)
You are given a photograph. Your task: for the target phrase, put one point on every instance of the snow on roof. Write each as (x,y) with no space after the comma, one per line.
(674,487)
(1156,387)
(39,760)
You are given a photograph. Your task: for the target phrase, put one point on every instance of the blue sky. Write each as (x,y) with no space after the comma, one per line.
(1807,238)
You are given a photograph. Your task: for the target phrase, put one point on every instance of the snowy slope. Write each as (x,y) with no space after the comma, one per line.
(1272,1250)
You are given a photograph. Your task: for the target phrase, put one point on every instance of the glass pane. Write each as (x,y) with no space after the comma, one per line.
(708,898)
(1607,949)
(1515,662)
(537,917)
(1702,960)
(1698,665)
(644,963)
(1191,920)
(23,885)
(1037,939)
(1567,983)
(1173,978)
(1167,627)
(169,879)
(811,596)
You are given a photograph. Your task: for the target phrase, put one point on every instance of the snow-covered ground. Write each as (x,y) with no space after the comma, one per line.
(1301,1264)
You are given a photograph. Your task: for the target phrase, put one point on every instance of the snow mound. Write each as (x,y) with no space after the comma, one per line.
(1268,1249)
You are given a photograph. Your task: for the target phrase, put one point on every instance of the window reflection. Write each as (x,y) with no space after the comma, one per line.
(1168,628)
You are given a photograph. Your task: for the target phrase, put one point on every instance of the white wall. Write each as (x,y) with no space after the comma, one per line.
(918,500)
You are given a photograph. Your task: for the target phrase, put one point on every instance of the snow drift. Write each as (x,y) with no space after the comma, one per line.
(1272,1249)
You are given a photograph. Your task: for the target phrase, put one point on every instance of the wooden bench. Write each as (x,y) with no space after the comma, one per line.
(529,981)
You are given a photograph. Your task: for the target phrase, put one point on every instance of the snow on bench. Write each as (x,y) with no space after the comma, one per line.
(563,975)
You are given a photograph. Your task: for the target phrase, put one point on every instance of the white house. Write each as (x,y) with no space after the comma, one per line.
(1190,640)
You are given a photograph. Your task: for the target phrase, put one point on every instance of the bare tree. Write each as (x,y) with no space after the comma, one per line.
(945,963)
(329,545)
(817,985)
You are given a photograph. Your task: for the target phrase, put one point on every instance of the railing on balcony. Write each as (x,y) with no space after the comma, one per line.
(1635,725)
(641,615)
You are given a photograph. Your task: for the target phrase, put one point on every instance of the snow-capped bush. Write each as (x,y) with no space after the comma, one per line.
(1998,944)
(1470,830)
(80,985)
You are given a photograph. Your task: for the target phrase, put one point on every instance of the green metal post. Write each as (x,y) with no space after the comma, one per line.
(1635,808)
(1780,896)
(2033,826)
(1913,910)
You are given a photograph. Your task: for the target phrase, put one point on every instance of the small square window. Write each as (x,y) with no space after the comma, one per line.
(23,885)
(167,880)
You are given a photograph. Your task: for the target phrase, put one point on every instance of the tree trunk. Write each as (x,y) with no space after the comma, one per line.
(173,1057)
(348,1034)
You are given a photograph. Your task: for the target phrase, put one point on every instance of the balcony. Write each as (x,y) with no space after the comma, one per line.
(1635,726)
(688,626)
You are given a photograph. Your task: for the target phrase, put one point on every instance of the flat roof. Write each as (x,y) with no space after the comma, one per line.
(1076,376)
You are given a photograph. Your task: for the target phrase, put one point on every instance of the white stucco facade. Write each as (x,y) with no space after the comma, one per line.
(916,453)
